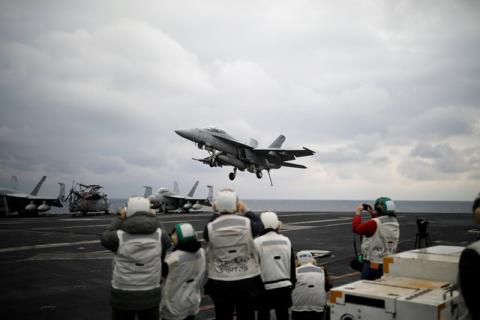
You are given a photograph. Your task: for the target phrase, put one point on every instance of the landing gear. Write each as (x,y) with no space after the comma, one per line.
(232,175)
(259,174)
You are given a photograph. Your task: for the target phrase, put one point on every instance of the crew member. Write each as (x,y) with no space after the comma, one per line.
(310,293)
(139,244)
(181,294)
(233,269)
(381,235)
(469,266)
(277,263)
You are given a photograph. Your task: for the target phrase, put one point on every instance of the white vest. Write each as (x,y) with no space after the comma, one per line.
(309,292)
(181,294)
(275,252)
(231,253)
(383,242)
(137,264)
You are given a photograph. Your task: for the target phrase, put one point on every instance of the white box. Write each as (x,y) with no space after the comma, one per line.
(439,263)
(394,298)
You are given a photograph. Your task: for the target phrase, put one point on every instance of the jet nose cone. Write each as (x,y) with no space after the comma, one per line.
(185,133)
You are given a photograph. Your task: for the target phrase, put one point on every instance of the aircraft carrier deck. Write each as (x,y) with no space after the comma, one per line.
(55,267)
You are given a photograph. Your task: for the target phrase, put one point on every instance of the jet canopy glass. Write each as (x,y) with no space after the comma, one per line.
(215,129)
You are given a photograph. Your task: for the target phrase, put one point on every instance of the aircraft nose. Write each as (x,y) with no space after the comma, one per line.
(185,133)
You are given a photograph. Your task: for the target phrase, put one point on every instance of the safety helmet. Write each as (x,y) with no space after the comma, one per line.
(304,257)
(137,204)
(185,233)
(384,206)
(270,220)
(226,201)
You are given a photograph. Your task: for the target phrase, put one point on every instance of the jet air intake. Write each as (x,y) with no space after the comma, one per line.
(231,161)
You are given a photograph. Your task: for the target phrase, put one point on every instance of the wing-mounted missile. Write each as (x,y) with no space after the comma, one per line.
(43,207)
(31,207)
(197,206)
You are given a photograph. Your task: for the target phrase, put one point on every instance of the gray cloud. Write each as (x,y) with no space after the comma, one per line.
(437,162)
(93,92)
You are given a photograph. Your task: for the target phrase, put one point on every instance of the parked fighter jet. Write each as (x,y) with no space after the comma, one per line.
(28,204)
(225,150)
(166,200)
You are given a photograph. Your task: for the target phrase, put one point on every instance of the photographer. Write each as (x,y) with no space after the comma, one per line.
(234,281)
(139,244)
(380,235)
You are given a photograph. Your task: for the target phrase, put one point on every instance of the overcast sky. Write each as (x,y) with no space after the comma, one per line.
(386,92)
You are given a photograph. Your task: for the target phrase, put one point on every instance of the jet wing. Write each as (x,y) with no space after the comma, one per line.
(181,200)
(232,141)
(48,200)
(36,199)
(284,154)
(202,201)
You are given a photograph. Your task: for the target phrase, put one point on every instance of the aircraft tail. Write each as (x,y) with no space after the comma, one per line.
(210,194)
(38,186)
(14,182)
(175,187)
(278,142)
(192,191)
(148,191)
(61,192)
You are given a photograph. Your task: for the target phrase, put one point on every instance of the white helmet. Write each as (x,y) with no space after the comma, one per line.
(270,220)
(304,257)
(226,201)
(137,204)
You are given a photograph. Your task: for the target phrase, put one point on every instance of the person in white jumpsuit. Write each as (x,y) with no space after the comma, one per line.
(309,297)
(277,263)
(185,275)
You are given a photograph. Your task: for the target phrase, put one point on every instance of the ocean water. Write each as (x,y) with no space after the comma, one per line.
(341,205)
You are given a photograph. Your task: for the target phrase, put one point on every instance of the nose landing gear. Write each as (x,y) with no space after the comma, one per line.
(232,175)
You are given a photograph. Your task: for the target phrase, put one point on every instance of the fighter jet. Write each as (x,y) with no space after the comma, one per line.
(166,200)
(225,150)
(28,204)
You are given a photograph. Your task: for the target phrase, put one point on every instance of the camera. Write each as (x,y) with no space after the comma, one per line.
(367,207)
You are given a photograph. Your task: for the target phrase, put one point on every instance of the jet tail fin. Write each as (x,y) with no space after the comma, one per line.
(210,194)
(61,192)
(14,182)
(278,142)
(175,187)
(148,191)
(38,186)
(192,191)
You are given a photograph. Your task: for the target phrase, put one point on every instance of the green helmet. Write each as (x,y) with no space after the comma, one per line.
(185,232)
(384,206)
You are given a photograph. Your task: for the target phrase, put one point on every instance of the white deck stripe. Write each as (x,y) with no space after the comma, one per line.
(48,245)
(71,227)
(316,221)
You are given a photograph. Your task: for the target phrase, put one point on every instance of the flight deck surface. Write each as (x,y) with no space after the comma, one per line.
(55,267)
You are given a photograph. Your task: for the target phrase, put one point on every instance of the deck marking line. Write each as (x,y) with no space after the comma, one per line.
(48,245)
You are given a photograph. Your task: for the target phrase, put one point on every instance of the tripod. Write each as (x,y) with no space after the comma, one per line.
(422,234)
